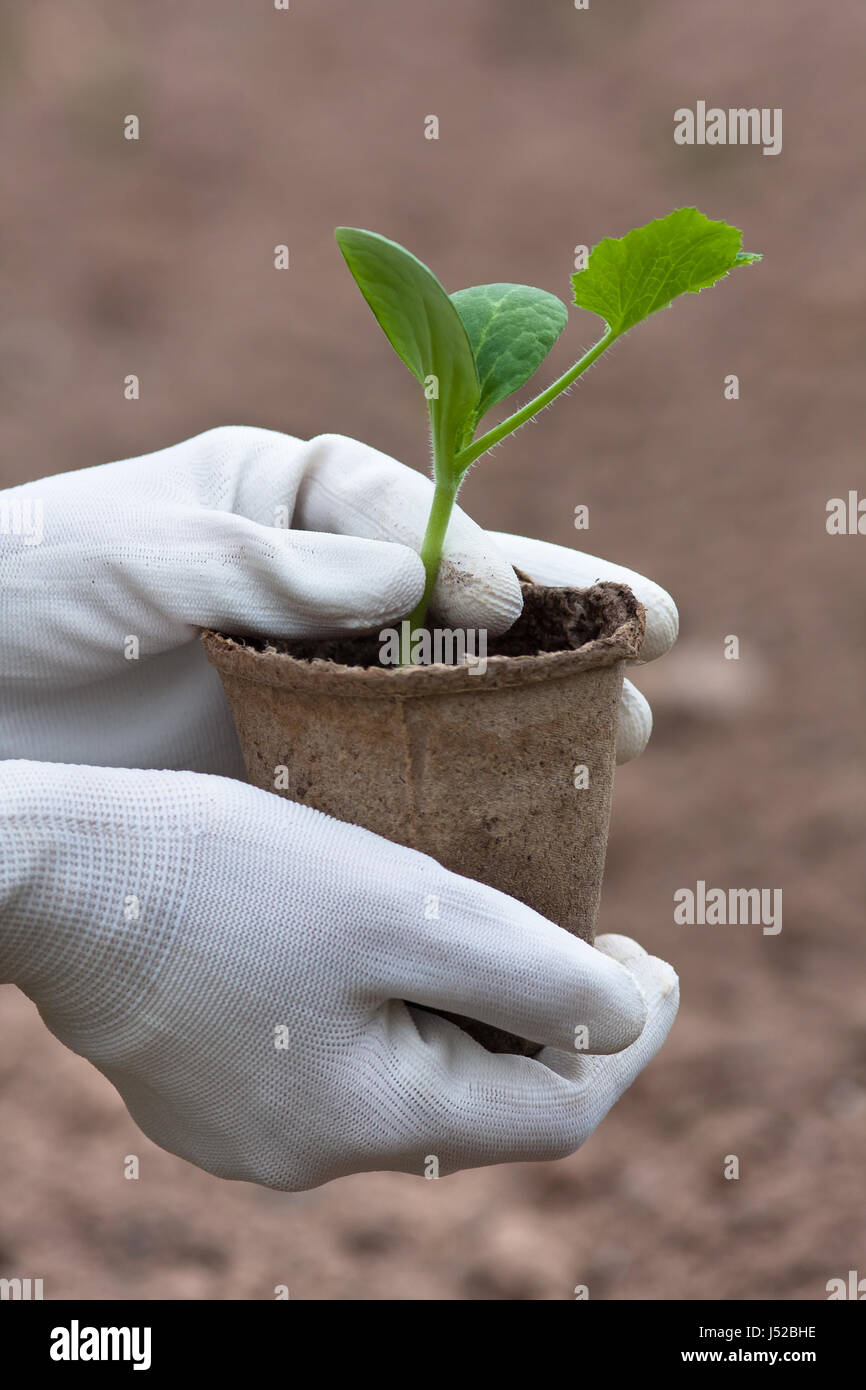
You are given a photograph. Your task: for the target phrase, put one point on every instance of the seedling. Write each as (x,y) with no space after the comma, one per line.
(472,349)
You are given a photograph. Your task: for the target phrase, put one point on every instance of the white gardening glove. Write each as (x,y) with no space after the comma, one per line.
(253,913)
(235,965)
(150,550)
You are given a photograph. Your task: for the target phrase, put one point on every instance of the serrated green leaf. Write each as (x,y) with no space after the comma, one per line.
(511,330)
(629,278)
(423,327)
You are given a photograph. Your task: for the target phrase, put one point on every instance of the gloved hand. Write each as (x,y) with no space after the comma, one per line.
(154,548)
(234,964)
(253,913)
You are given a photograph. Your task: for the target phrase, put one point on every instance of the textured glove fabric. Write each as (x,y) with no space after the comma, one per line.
(110,573)
(236,965)
(244,970)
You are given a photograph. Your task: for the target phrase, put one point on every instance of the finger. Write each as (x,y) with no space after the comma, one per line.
(352,489)
(556,564)
(338,485)
(605,1078)
(634,725)
(468,1108)
(216,569)
(489,957)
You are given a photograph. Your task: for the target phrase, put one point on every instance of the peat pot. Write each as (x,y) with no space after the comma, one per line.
(502,769)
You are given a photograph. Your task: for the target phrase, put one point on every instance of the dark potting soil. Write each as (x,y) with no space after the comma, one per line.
(553,619)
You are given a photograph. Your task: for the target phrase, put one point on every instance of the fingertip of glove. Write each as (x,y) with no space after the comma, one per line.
(654,974)
(662,622)
(626,1013)
(479,591)
(634,724)
(619,948)
(392,588)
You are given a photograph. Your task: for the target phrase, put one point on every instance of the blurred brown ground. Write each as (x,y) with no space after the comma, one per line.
(261,127)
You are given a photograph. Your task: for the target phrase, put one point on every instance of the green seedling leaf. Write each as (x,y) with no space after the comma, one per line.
(483,343)
(511,329)
(629,278)
(424,329)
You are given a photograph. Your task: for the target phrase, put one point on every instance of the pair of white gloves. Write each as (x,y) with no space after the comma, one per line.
(236,964)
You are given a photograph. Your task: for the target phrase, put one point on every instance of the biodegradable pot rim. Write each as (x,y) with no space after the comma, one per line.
(621,638)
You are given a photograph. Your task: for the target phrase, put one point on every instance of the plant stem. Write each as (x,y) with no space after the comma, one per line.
(449,472)
(520,417)
(431,553)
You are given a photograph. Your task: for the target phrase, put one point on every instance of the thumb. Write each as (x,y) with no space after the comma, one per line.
(350,487)
(216,569)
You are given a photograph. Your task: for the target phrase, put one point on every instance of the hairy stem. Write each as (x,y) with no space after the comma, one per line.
(520,417)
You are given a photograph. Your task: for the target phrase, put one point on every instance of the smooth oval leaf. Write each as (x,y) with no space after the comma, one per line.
(628,278)
(423,327)
(511,329)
